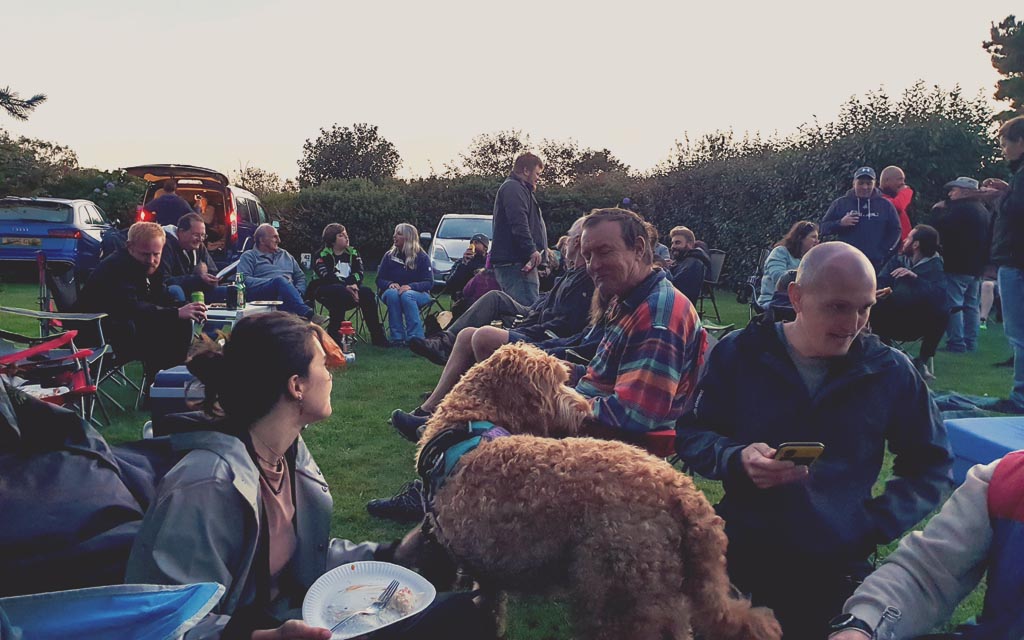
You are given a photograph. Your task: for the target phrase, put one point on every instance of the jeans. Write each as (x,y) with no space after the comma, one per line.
(176,292)
(1011,291)
(279,288)
(962,330)
(404,320)
(523,287)
(493,305)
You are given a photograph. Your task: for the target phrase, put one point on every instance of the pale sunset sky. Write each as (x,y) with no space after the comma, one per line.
(223,83)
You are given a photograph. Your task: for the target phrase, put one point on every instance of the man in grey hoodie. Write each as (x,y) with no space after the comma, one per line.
(864,219)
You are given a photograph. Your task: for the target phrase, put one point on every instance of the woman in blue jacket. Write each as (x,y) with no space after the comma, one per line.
(404,282)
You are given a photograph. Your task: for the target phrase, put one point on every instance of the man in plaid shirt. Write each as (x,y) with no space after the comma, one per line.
(647,364)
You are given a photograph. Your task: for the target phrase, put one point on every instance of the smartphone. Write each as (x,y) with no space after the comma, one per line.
(803,453)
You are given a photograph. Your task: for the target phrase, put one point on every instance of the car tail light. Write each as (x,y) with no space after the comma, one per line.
(65,233)
(141,215)
(233,221)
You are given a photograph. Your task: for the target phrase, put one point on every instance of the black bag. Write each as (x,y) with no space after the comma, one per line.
(71,504)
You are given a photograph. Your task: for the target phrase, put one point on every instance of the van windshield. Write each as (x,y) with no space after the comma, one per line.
(35,213)
(464,228)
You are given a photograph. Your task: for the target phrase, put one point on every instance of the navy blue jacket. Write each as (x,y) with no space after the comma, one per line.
(392,269)
(878,231)
(872,397)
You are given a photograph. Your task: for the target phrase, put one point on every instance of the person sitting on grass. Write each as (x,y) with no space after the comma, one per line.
(404,281)
(338,284)
(248,507)
(561,311)
(650,354)
(271,273)
(977,533)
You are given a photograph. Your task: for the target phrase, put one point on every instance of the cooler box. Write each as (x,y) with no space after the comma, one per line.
(173,391)
(982,440)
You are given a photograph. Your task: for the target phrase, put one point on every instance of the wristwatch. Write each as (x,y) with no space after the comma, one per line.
(849,621)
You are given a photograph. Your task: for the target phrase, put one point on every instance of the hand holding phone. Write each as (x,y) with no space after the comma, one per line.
(801,453)
(765,470)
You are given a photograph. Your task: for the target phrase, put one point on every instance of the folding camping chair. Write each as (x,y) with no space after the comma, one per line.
(712,281)
(51,369)
(58,293)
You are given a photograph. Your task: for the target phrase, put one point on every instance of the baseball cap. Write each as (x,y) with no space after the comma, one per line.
(864,171)
(963,182)
(481,238)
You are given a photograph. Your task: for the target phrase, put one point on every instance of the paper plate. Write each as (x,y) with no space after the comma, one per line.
(352,587)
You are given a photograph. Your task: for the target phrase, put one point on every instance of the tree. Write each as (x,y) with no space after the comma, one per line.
(492,154)
(342,153)
(28,166)
(1007,50)
(259,181)
(565,162)
(16,107)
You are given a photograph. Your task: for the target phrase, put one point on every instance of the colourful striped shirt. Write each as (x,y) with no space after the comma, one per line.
(646,366)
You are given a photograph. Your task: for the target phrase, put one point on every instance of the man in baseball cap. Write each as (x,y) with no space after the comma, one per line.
(864,219)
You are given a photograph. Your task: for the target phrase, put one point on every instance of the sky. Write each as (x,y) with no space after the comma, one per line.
(226,83)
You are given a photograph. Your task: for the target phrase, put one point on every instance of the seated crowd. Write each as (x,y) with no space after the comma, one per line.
(801,537)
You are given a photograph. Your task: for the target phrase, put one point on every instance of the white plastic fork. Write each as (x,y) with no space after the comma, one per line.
(375,607)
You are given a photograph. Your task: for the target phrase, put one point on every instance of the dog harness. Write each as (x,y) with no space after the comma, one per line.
(442,453)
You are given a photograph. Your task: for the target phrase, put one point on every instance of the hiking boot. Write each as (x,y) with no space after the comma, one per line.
(437,348)
(404,506)
(408,424)
(379,340)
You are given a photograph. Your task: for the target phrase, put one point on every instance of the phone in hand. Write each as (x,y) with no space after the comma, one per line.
(802,453)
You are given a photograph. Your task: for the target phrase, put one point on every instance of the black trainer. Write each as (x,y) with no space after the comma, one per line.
(436,348)
(404,506)
(409,425)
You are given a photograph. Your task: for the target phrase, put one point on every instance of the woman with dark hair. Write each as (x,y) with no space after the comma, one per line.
(404,280)
(247,506)
(786,256)
(338,284)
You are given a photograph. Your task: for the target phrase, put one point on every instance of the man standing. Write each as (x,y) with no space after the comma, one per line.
(864,219)
(799,536)
(893,184)
(520,237)
(143,321)
(1008,255)
(963,224)
(690,264)
(167,207)
(186,264)
(271,273)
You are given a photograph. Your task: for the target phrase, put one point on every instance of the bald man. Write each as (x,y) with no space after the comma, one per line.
(800,536)
(892,182)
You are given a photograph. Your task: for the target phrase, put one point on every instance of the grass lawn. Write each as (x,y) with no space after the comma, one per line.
(363,458)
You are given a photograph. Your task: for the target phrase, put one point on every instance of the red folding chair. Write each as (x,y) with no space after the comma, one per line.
(52,363)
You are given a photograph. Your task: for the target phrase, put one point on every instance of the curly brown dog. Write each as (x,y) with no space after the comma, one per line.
(637,544)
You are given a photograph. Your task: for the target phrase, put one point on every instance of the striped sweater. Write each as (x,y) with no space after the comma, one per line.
(647,364)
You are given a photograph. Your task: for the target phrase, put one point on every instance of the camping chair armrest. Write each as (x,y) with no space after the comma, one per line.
(29,340)
(46,315)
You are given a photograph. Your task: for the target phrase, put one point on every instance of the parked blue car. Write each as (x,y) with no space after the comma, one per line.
(67,231)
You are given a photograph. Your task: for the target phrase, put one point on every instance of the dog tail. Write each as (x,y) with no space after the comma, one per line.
(716,613)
